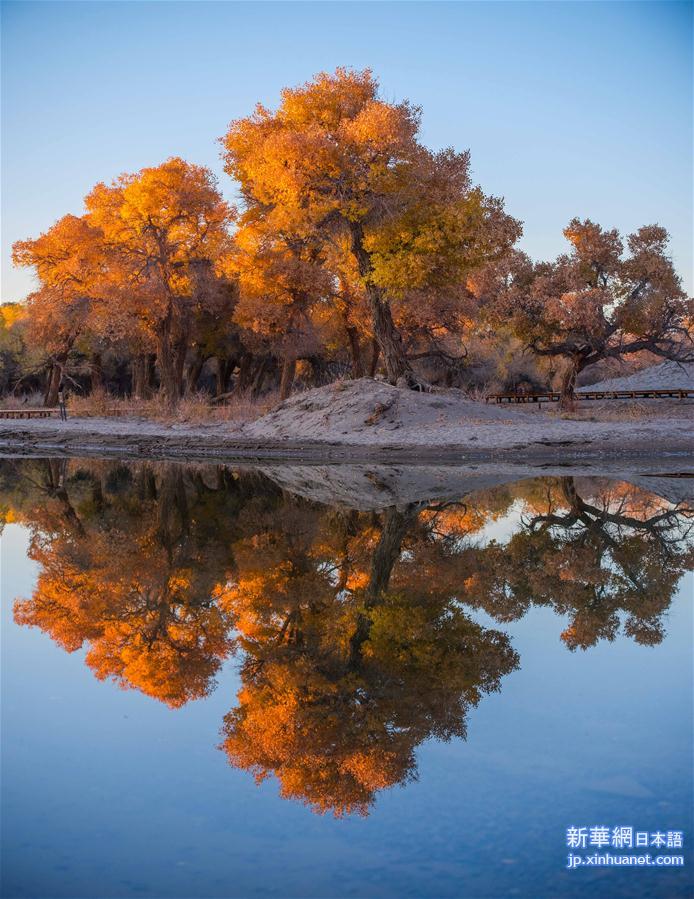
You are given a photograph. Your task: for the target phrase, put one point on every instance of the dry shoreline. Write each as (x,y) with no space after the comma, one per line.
(552,442)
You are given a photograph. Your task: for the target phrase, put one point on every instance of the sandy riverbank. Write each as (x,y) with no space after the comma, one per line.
(370,420)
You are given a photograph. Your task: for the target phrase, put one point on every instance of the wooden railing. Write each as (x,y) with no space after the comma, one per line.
(28,413)
(552,396)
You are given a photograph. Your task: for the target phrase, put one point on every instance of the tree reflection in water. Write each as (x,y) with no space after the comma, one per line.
(617,554)
(353,629)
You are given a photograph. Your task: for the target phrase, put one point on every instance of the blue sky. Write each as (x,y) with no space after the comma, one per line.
(567,108)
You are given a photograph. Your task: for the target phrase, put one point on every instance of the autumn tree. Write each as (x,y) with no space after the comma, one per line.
(213,332)
(335,159)
(281,282)
(595,302)
(15,355)
(68,261)
(162,226)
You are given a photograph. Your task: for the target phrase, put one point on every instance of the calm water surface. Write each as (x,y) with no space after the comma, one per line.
(305,681)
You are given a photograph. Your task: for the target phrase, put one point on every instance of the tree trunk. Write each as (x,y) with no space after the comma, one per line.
(245,371)
(139,376)
(396,524)
(568,489)
(150,374)
(194,372)
(180,352)
(97,372)
(261,370)
(287,379)
(385,332)
(389,341)
(567,397)
(98,495)
(318,370)
(167,364)
(55,485)
(147,485)
(375,355)
(355,349)
(173,511)
(54,379)
(221,376)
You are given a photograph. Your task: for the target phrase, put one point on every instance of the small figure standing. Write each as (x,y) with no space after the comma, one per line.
(61,401)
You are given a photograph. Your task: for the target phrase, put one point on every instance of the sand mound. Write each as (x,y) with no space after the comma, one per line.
(666,375)
(365,411)
(370,413)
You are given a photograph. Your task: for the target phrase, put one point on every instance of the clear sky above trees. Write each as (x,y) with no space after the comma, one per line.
(568,109)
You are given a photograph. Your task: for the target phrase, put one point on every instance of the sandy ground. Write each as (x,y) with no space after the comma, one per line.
(368,420)
(372,413)
(666,375)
